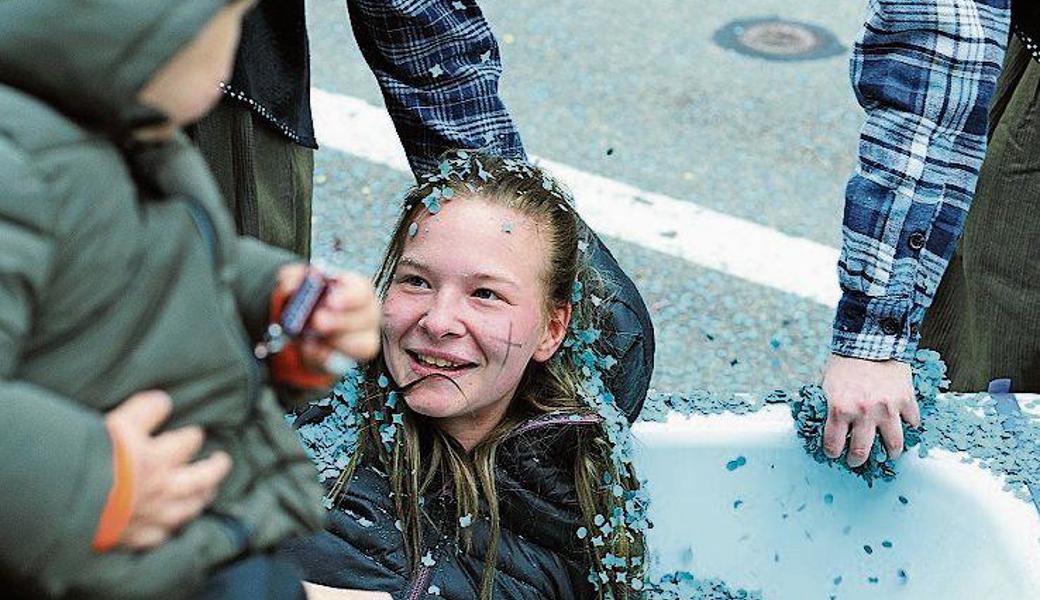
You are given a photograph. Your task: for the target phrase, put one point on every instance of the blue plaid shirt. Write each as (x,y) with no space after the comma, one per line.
(925,71)
(438,65)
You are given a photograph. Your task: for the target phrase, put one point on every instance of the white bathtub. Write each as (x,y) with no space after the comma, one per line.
(797,530)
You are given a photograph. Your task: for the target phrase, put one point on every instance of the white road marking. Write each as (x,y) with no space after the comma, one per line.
(675,227)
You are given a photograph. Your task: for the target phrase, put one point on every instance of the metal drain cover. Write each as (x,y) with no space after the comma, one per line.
(776,39)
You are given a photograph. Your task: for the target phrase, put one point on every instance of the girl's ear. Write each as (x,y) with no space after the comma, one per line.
(555,330)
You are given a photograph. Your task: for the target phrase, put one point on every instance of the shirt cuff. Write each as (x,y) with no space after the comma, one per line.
(880,328)
(115,516)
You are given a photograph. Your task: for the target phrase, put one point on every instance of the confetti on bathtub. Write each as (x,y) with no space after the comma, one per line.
(828,499)
(837,580)
(873,579)
(886,544)
(737,504)
(427,559)
(904,578)
(682,585)
(736,463)
(868,549)
(903,500)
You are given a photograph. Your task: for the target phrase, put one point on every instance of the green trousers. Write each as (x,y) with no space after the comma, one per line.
(265,178)
(985,319)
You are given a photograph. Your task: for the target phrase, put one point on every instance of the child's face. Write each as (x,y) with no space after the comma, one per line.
(467,302)
(188,85)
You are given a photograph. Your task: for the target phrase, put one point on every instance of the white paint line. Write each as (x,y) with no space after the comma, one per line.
(675,227)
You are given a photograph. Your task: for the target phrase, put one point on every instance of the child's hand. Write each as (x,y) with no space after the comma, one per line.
(346,321)
(168,488)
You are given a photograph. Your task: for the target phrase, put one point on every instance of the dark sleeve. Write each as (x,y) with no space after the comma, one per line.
(361,548)
(438,65)
(327,559)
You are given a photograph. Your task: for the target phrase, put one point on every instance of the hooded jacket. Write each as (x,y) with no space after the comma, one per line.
(120,272)
(540,556)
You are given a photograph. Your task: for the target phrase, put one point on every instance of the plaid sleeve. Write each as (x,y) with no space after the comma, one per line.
(438,65)
(925,71)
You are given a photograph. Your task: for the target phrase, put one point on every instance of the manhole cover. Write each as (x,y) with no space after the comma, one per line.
(776,39)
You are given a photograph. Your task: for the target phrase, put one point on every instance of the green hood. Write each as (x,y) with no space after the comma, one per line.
(89,58)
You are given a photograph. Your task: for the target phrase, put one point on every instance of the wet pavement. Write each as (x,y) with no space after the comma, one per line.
(642,93)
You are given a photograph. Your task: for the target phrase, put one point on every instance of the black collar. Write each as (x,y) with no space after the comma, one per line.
(1025,22)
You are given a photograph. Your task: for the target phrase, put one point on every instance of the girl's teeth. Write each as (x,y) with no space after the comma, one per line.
(437,362)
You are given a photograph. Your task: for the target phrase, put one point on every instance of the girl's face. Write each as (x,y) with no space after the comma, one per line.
(467,302)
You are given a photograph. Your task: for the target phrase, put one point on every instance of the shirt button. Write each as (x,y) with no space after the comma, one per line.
(890,326)
(916,240)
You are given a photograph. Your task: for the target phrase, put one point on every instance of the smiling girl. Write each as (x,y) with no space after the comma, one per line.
(484,429)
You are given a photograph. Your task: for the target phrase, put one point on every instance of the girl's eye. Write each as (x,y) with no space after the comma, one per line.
(486,294)
(414,281)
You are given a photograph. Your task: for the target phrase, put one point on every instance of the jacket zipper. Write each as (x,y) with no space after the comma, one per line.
(419,583)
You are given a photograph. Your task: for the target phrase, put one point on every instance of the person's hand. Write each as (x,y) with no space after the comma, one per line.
(321,592)
(867,396)
(346,321)
(169,489)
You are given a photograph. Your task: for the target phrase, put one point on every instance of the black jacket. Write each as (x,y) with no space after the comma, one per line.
(540,555)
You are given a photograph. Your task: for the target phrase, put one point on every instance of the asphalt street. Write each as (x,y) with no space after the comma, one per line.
(640,92)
